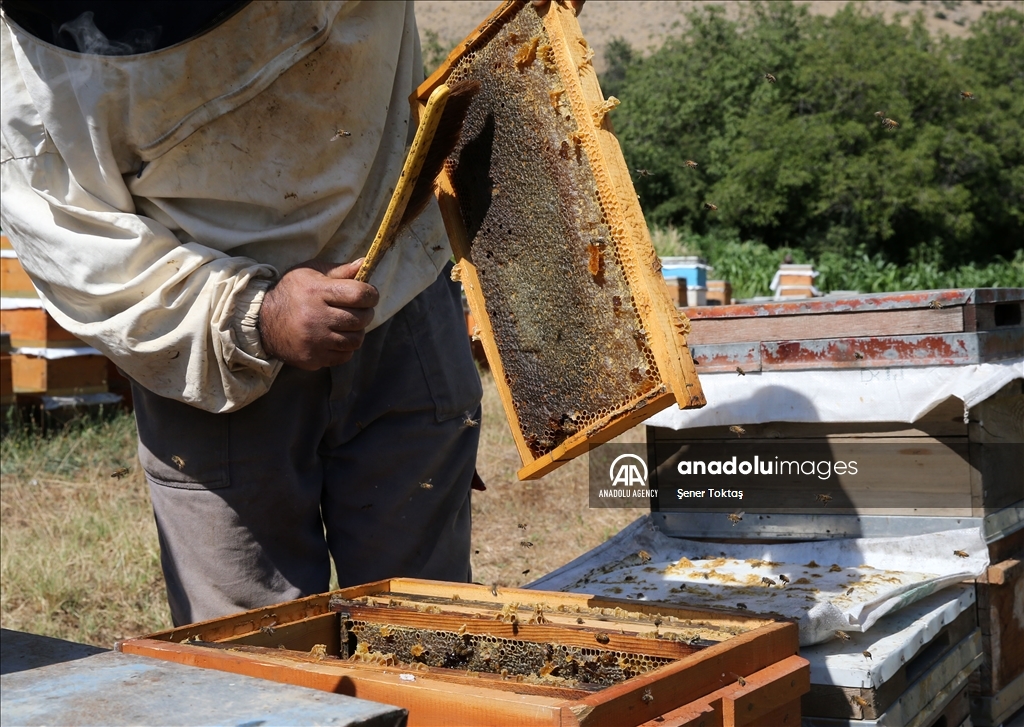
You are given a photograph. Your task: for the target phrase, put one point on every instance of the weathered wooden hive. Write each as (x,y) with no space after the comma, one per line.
(552,248)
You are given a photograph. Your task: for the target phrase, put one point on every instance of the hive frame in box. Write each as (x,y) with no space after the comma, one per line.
(664,326)
(749,678)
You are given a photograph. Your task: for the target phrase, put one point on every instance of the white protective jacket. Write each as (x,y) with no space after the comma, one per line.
(153,198)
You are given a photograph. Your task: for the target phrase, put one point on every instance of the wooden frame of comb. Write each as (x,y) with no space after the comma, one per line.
(663,325)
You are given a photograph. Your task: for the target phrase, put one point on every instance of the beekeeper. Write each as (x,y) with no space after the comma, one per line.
(190,186)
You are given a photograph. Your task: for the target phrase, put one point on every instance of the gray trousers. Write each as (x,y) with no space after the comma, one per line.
(369,463)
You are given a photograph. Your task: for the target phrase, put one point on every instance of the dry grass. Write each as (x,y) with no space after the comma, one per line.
(79,551)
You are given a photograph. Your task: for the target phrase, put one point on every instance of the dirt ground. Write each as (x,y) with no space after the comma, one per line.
(644,23)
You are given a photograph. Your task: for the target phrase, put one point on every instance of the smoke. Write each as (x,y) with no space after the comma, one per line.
(91,39)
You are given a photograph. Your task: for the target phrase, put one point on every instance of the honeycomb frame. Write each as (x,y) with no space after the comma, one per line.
(669,376)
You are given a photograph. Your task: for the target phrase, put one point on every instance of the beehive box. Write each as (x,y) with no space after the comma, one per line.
(463,654)
(553,252)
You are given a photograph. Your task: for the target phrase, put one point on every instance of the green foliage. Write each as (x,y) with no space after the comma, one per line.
(805,164)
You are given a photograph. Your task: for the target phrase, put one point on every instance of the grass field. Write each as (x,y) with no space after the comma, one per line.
(79,552)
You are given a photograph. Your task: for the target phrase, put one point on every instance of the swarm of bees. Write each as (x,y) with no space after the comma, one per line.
(824,499)
(735,517)
(961,554)
(691,164)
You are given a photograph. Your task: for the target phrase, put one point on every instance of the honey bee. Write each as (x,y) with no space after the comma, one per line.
(767,581)
(867,655)
(843,635)
(735,517)
(319,651)
(784,578)
(739,680)
(849,592)
(890,124)
(737,430)
(961,554)
(879,114)
(579,619)
(426,485)
(741,606)
(526,572)
(710,206)
(858,355)
(602,638)
(470,421)
(859,701)
(521,526)
(644,556)
(740,371)
(526,543)
(118,474)
(494,590)
(647,696)
(436,248)
(834,568)
(178,461)
(824,499)
(770,78)
(967,96)
(935,304)
(339,133)
(643,172)
(269,628)
(691,164)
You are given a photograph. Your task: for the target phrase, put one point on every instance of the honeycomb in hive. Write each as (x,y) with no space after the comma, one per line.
(557,663)
(553,251)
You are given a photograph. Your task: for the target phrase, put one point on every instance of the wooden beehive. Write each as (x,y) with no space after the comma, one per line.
(519,657)
(553,252)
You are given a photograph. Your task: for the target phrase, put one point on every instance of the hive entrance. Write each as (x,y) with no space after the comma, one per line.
(553,252)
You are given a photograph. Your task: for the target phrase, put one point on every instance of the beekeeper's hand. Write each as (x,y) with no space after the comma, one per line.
(576,5)
(316,315)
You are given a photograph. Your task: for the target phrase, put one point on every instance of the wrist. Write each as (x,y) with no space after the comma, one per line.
(248,306)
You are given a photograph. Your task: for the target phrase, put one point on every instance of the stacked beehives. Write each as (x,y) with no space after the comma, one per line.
(46,364)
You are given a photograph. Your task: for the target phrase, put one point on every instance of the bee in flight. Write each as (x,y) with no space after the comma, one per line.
(735,517)
(935,304)
(879,114)
(691,164)
(770,78)
(644,556)
(967,96)
(340,133)
(521,526)
(858,355)
(470,421)
(843,635)
(767,581)
(711,207)
(784,578)
(890,124)
(647,697)
(823,499)
(494,590)
(643,172)
(118,474)
(867,655)
(740,371)
(739,680)
(737,430)
(526,543)
(961,554)
(179,462)
(859,700)
(426,486)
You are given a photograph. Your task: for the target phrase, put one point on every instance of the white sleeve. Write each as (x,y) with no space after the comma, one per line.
(179,318)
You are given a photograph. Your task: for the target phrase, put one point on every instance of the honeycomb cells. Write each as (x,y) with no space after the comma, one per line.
(572,345)
(559,663)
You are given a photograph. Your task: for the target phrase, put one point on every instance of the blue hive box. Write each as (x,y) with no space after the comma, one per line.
(693,269)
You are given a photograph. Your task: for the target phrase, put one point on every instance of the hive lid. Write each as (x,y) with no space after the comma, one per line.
(552,248)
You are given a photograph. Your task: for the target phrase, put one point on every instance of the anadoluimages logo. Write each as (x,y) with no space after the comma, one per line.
(624,471)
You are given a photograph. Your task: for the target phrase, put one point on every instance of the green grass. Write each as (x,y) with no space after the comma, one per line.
(750,265)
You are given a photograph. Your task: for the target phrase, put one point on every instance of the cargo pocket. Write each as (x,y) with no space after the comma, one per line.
(181,446)
(437,327)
